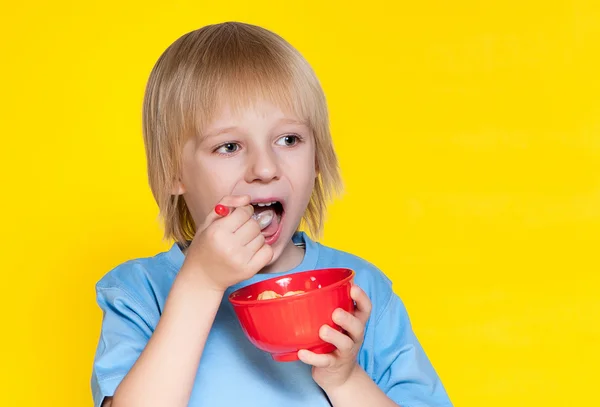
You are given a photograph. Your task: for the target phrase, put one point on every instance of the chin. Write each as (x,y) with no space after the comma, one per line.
(280,245)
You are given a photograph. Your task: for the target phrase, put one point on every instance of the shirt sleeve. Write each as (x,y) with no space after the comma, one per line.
(395,360)
(126,329)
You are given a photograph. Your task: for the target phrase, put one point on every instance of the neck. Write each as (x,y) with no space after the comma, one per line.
(290,257)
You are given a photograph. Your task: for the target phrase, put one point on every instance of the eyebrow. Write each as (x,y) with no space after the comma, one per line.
(218,131)
(292,121)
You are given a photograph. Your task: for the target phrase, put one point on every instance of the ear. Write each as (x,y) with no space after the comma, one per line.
(178,188)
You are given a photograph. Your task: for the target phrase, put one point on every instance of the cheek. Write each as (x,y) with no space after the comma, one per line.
(216,180)
(305,178)
(206,184)
(309,178)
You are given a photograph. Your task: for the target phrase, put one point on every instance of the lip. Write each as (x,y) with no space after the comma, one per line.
(268,200)
(275,236)
(270,240)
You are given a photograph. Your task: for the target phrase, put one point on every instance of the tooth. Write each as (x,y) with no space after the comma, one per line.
(261,204)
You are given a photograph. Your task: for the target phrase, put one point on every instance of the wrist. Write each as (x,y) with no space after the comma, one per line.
(352,383)
(194,275)
(192,302)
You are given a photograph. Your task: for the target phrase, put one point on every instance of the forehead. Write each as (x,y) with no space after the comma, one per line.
(242,96)
(260,114)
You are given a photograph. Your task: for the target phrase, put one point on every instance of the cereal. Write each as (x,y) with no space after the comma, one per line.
(292,293)
(269,294)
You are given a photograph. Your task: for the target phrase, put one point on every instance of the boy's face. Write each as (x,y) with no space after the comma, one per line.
(262,152)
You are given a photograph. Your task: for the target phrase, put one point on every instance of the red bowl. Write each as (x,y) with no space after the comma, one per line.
(282,326)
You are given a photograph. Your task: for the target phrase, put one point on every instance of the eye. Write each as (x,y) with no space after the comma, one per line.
(288,140)
(228,148)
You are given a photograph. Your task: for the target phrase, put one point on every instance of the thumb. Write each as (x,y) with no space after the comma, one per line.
(230,202)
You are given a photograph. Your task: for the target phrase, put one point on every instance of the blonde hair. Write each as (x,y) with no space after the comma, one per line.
(238,63)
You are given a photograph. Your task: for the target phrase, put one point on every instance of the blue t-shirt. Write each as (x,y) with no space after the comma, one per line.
(234,372)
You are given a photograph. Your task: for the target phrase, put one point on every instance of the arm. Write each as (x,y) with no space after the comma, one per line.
(359,391)
(338,373)
(165,371)
(392,368)
(394,359)
(139,365)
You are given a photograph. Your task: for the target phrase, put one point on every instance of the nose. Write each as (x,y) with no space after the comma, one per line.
(262,166)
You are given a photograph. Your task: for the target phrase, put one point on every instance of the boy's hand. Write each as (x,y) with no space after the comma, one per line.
(332,370)
(230,249)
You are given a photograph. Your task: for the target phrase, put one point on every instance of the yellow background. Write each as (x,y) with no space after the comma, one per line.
(469,139)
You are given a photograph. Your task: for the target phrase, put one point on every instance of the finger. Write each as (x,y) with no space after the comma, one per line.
(230,202)
(261,258)
(349,323)
(255,244)
(235,201)
(247,232)
(363,304)
(237,218)
(324,360)
(342,342)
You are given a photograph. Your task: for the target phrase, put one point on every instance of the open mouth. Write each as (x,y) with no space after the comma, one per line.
(269,215)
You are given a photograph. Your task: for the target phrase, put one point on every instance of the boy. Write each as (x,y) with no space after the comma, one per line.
(233,115)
